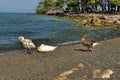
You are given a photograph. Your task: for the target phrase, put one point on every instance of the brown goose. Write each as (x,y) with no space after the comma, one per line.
(89,43)
(27,44)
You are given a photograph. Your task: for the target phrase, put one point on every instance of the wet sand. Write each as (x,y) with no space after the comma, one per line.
(51,65)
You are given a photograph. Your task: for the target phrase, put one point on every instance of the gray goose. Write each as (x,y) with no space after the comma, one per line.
(27,44)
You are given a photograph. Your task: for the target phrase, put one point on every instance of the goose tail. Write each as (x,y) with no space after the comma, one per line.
(95,44)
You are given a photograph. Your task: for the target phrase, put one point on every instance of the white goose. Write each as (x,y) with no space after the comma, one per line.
(46,48)
(27,44)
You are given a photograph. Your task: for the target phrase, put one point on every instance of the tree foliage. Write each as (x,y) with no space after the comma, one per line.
(116,2)
(79,5)
(45,6)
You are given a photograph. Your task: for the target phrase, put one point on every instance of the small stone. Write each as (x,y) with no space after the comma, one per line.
(106,73)
(105,76)
(60,78)
(80,65)
(74,69)
(96,73)
(66,73)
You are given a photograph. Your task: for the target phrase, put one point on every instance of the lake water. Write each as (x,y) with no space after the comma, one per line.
(55,33)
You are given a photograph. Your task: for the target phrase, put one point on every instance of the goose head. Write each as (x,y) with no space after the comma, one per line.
(20,38)
(84,38)
(41,46)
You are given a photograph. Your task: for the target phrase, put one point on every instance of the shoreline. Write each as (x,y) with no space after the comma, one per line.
(73,33)
(13,51)
(64,58)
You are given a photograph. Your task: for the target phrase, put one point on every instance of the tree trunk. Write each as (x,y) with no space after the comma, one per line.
(109,7)
(80,5)
(103,6)
(118,9)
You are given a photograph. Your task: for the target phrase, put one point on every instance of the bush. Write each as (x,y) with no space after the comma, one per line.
(41,11)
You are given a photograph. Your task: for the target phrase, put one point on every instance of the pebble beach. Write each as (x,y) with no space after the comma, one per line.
(50,66)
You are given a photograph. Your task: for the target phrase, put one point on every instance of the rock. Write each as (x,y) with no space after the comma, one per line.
(80,65)
(108,22)
(106,73)
(58,12)
(117,22)
(66,73)
(99,21)
(96,73)
(74,69)
(84,22)
(42,20)
(56,20)
(102,17)
(105,76)
(60,78)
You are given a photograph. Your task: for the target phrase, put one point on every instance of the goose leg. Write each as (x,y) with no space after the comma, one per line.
(25,51)
(92,48)
(29,51)
(39,56)
(88,48)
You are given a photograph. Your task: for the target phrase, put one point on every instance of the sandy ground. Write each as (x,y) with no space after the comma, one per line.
(64,58)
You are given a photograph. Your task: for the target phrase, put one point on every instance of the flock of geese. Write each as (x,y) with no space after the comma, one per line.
(87,42)
(28,44)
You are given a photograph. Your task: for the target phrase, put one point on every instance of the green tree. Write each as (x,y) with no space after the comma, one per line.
(94,4)
(79,5)
(72,5)
(44,6)
(59,3)
(115,3)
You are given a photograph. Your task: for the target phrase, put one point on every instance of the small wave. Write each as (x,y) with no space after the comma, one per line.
(1,54)
(44,41)
(9,48)
(71,42)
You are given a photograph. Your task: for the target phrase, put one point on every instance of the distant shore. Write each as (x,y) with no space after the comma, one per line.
(96,20)
(51,65)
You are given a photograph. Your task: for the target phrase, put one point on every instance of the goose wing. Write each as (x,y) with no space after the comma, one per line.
(86,43)
(27,43)
(46,48)
(50,47)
